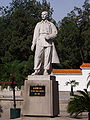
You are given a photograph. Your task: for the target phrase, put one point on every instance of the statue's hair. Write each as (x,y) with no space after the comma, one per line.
(45,12)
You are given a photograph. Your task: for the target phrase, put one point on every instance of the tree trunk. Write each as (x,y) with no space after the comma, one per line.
(72,90)
(14,97)
(13,86)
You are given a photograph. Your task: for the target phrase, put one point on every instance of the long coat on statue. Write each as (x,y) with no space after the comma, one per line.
(43,30)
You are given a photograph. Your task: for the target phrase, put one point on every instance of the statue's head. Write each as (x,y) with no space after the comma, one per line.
(44,15)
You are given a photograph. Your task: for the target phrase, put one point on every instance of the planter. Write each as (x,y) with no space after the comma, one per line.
(71,93)
(15,113)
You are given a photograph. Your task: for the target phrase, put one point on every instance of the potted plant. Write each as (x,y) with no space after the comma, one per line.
(14,112)
(14,75)
(73,83)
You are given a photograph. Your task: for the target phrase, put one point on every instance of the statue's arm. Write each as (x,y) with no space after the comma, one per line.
(35,36)
(54,32)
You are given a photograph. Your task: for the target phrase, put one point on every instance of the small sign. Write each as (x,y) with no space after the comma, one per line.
(37,90)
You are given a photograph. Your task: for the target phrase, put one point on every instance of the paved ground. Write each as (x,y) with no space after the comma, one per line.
(7,103)
(48,118)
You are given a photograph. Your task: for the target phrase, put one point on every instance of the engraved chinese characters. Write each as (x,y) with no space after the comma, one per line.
(37,90)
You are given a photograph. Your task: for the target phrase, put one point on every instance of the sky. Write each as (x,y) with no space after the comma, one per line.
(60,7)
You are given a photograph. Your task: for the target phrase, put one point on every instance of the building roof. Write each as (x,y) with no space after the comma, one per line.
(85,65)
(69,71)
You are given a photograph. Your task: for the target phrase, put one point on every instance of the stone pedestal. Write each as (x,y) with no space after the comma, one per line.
(41,96)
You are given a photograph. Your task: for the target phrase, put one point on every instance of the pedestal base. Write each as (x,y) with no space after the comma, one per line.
(41,96)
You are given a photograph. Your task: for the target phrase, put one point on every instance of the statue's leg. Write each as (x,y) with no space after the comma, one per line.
(38,58)
(47,59)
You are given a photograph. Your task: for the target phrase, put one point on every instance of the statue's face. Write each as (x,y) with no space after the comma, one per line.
(44,15)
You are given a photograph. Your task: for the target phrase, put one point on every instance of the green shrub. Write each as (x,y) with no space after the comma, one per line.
(80,103)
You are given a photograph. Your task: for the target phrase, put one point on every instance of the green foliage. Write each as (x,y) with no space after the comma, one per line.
(73,41)
(73,83)
(17,24)
(13,70)
(88,84)
(80,103)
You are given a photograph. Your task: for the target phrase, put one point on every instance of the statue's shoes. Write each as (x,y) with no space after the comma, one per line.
(35,73)
(45,72)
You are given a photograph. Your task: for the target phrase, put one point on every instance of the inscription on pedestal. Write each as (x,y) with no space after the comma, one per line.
(37,91)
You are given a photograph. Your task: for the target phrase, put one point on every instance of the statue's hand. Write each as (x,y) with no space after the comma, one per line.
(32,47)
(47,37)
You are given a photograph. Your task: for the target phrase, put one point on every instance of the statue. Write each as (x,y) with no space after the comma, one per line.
(45,52)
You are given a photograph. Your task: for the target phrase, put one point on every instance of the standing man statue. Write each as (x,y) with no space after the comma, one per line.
(45,52)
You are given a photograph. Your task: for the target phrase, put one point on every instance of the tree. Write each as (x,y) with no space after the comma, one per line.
(83,24)
(13,74)
(17,24)
(14,70)
(73,83)
(80,103)
(71,43)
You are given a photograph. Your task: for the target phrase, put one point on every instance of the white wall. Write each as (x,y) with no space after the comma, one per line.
(81,78)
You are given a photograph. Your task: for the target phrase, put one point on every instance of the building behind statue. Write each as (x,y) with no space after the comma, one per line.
(79,75)
(64,75)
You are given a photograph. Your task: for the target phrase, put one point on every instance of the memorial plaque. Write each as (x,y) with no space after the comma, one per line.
(37,91)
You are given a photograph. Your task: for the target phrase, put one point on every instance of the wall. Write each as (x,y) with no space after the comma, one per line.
(81,78)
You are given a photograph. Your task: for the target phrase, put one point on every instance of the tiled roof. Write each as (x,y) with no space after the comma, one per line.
(85,65)
(67,71)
